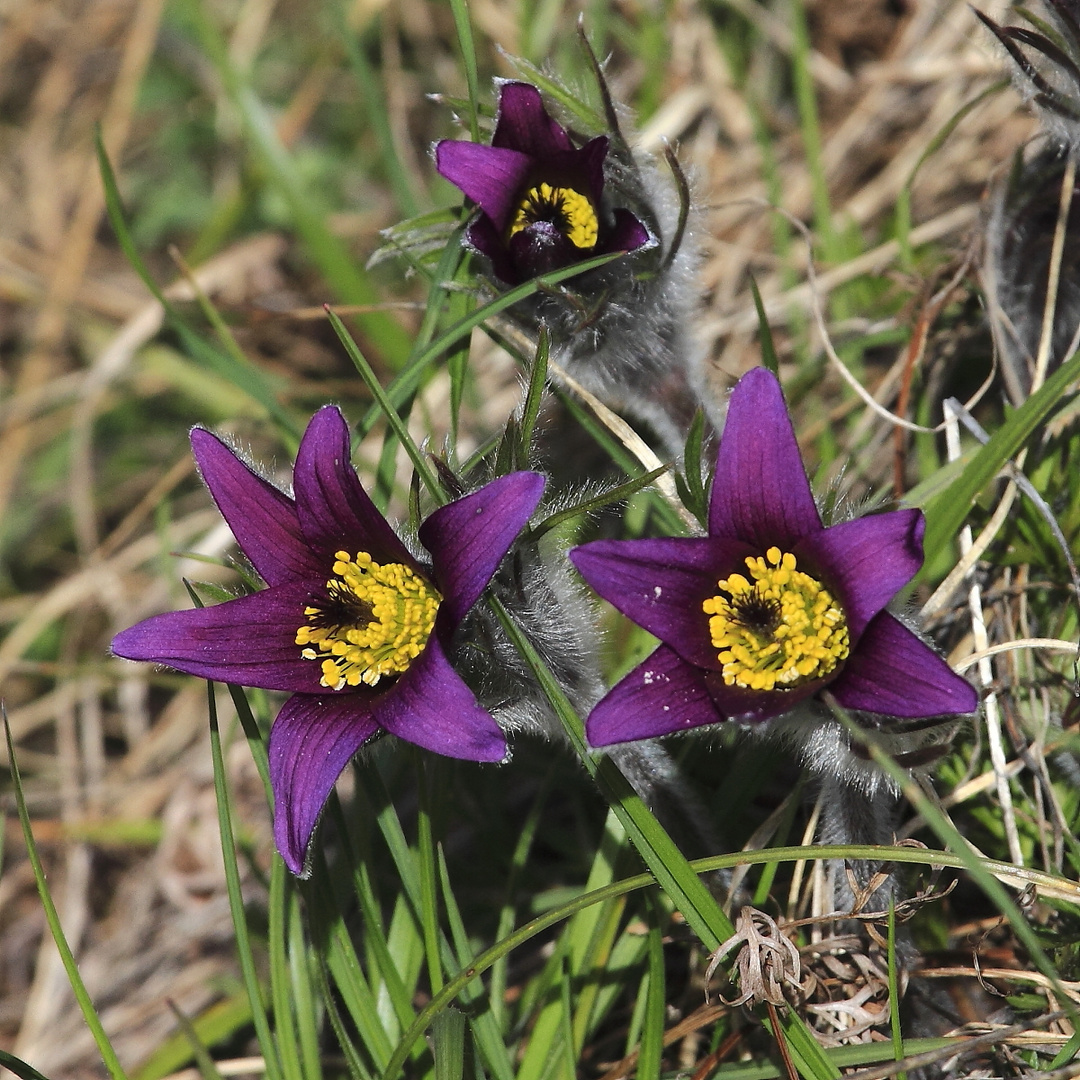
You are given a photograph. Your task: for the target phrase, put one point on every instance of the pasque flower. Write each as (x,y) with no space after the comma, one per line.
(771,606)
(355,627)
(541,198)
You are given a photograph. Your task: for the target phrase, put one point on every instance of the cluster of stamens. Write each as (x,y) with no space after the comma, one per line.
(568,210)
(374,621)
(778,631)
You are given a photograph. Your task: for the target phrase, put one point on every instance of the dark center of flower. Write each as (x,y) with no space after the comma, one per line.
(373,621)
(780,631)
(568,210)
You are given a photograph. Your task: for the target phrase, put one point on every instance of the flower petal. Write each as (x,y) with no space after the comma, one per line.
(486,239)
(490,175)
(661,584)
(312,740)
(586,164)
(662,695)
(524,124)
(761,494)
(867,561)
(627,234)
(262,518)
(249,641)
(432,707)
(894,673)
(335,511)
(469,537)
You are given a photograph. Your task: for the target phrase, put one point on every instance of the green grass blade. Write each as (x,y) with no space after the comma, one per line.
(409,378)
(304,997)
(488,1037)
(374,102)
(343,966)
(945,513)
(448,1045)
(52,918)
(19,1067)
(388,409)
(463,27)
(429,898)
(236,899)
(235,367)
(350,284)
(806,102)
(768,349)
(280,973)
(894,993)
(214,1025)
(652,1034)
(207,1068)
(534,396)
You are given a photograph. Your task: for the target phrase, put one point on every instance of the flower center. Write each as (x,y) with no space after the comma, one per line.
(779,631)
(374,621)
(568,210)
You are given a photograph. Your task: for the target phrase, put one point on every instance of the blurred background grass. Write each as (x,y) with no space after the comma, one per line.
(260,147)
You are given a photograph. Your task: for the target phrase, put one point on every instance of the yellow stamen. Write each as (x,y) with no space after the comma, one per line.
(780,631)
(568,210)
(375,620)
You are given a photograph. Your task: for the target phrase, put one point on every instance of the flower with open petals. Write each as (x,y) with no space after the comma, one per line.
(354,626)
(771,606)
(541,198)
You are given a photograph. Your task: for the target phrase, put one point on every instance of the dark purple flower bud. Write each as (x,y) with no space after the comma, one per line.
(771,606)
(541,198)
(351,624)
(624,330)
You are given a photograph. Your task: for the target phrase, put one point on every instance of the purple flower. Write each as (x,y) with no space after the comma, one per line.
(352,624)
(540,197)
(771,606)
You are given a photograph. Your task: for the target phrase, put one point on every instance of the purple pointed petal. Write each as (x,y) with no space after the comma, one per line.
(483,236)
(432,707)
(894,673)
(661,584)
(540,248)
(249,641)
(523,123)
(262,518)
(627,234)
(867,561)
(469,537)
(761,494)
(490,175)
(312,740)
(335,511)
(589,163)
(660,696)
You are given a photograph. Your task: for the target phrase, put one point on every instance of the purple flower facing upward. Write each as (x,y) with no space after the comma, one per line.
(540,197)
(351,623)
(771,606)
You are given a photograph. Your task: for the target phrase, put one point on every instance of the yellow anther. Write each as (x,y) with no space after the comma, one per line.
(782,630)
(568,210)
(375,620)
